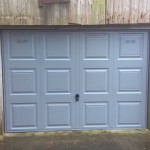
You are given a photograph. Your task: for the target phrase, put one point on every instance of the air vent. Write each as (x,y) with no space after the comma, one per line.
(42,2)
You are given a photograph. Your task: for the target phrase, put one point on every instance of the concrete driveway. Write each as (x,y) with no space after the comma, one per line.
(78,140)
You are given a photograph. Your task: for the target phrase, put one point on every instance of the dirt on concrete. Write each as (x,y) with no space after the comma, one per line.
(78,140)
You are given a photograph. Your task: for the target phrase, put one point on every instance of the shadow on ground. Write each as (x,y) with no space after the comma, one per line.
(77,140)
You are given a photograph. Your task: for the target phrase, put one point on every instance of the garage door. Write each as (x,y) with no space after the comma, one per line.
(74,80)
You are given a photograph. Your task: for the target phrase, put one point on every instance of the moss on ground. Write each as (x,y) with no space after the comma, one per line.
(76,133)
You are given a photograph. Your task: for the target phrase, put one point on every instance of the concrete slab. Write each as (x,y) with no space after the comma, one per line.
(78,140)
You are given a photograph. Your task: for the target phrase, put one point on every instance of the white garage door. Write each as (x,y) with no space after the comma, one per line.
(74,80)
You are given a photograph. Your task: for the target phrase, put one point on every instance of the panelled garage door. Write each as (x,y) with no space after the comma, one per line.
(74,80)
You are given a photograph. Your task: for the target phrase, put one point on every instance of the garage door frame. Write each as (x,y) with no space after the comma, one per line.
(2,103)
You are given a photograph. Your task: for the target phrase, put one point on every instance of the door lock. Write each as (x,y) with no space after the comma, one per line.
(77,97)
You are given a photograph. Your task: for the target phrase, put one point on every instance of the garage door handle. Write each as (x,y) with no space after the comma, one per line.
(77,97)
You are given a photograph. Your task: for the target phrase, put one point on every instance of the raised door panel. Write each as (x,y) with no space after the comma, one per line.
(126,108)
(58,81)
(23,81)
(58,115)
(96,80)
(57,46)
(95,115)
(24,116)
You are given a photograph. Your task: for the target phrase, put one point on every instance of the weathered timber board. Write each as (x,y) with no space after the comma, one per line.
(75,12)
